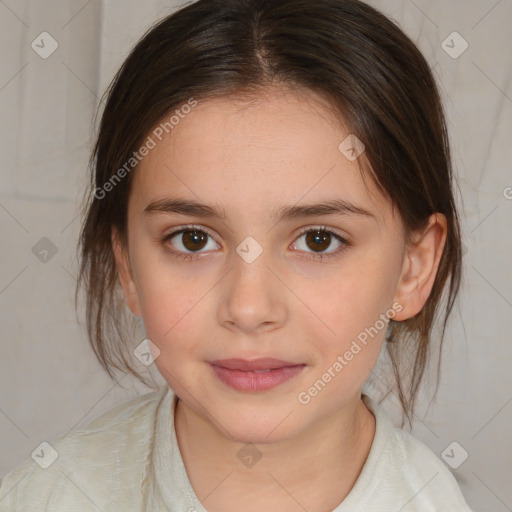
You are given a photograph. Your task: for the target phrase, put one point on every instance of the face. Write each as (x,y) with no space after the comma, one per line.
(251,283)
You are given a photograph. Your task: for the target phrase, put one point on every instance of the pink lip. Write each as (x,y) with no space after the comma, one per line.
(250,376)
(263,363)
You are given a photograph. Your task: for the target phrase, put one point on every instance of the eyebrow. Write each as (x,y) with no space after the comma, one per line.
(284,213)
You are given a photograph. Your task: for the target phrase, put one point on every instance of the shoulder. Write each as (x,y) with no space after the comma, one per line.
(425,474)
(88,467)
(409,472)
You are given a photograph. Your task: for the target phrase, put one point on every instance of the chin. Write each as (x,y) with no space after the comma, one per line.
(250,429)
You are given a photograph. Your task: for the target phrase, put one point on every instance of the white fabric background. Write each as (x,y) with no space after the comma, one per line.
(49,380)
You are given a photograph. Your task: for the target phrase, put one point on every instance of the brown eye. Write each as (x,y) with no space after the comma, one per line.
(189,243)
(190,240)
(194,240)
(318,240)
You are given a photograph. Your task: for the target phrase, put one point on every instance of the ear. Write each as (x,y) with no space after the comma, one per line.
(420,266)
(125,274)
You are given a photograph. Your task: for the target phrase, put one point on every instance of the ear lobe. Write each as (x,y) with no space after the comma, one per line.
(125,274)
(420,268)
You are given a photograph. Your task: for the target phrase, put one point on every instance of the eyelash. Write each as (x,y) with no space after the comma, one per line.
(316,257)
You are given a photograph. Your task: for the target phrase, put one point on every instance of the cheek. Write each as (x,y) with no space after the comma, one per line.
(349,306)
(171,325)
(351,297)
(168,300)
(169,313)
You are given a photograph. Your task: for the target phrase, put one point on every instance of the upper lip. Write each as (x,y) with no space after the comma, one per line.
(264,363)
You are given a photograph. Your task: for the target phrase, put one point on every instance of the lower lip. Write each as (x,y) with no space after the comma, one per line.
(253,382)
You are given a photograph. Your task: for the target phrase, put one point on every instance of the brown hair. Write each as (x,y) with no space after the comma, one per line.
(344,50)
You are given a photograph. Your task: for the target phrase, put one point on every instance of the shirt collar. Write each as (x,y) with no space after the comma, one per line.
(172,482)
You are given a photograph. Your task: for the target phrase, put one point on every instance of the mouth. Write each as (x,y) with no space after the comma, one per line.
(256,375)
(256,365)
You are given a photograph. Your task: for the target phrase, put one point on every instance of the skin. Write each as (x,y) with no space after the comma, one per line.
(251,158)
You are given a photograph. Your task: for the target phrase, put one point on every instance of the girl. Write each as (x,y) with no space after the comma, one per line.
(272,192)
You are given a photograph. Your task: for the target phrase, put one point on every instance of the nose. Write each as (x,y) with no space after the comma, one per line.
(253,299)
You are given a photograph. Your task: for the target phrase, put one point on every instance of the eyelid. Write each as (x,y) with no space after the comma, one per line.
(321,227)
(179,229)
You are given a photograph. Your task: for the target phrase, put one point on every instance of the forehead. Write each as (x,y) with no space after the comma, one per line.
(252,155)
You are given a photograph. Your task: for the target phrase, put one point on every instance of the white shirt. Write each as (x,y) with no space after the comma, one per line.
(128,460)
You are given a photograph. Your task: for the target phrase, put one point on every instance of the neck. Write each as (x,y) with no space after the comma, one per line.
(316,468)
